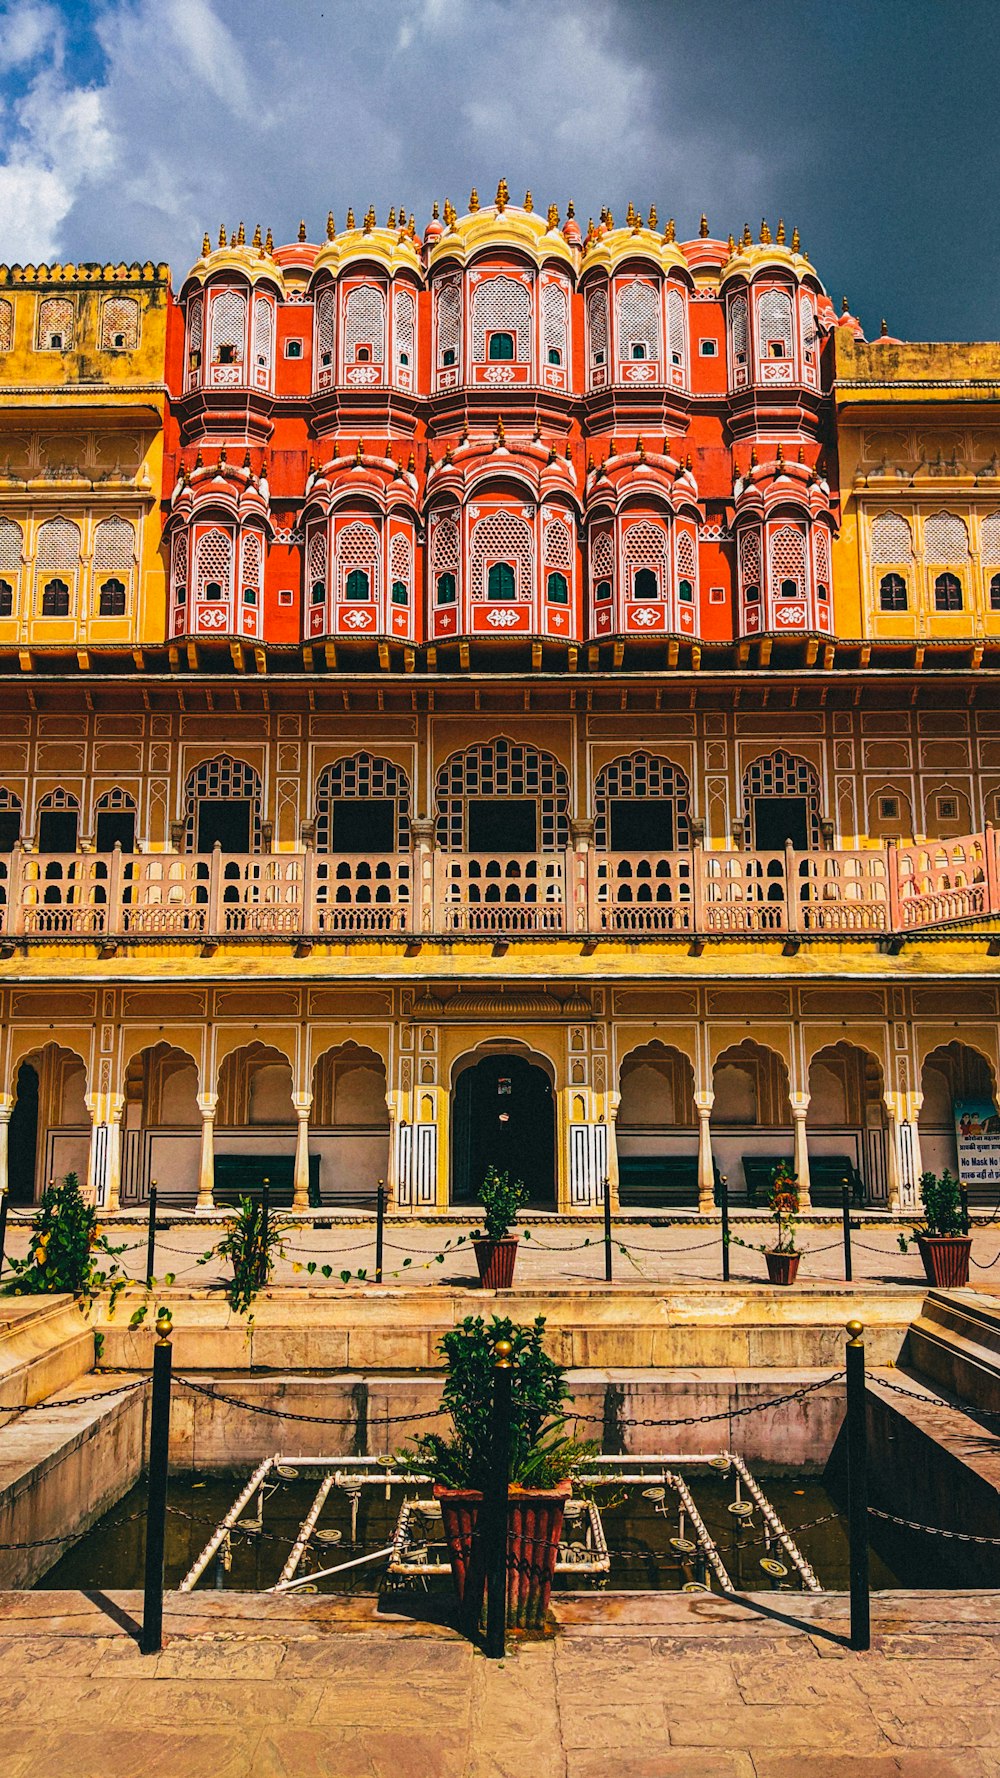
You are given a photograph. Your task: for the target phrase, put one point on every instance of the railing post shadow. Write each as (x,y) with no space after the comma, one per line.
(724,1207)
(379,1229)
(495,1503)
(151,1638)
(151,1238)
(608,1262)
(4,1195)
(857,1486)
(845,1198)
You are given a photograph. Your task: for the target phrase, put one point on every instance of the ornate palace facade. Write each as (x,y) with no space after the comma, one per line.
(512,694)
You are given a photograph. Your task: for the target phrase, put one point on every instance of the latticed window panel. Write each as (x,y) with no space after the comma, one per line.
(116,802)
(821,555)
(555,319)
(364,322)
(675,327)
(263,334)
(401,561)
(782,774)
(179,560)
(558,545)
(645,546)
(120,324)
(891,539)
(252,560)
(229,323)
(502,768)
(597,326)
(602,558)
(946,538)
(750,560)
(114,547)
(196,325)
(58,546)
(687,559)
(56,321)
(637,317)
(6,325)
(60,800)
(501,304)
(317,556)
(788,562)
(357,546)
(326,325)
(404,313)
(502,537)
(739,329)
(808,333)
(222,779)
(637,776)
(214,562)
(449,320)
(10,802)
(367,777)
(989,537)
(11,546)
(774,323)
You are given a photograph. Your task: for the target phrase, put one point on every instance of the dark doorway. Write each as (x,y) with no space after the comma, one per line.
(363,824)
(22,1137)
(115,827)
(778,819)
(10,829)
(227,822)
(642,824)
(504,1117)
(57,830)
(506,824)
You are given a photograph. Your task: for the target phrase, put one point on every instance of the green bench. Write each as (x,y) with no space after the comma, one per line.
(658,1182)
(827,1173)
(242,1176)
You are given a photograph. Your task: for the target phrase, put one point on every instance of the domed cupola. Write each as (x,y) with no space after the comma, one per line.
(230,299)
(644,517)
(217,531)
(772,297)
(783,526)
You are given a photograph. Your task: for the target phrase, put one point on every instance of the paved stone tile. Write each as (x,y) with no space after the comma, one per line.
(606,1722)
(943,1727)
(614,1762)
(169,1701)
(823,1728)
(879,1765)
(65,1752)
(793,1683)
(219,1657)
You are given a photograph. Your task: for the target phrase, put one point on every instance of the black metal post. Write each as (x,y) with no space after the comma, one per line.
(846,1208)
(265,1218)
(495,1504)
(963,1199)
(3,1226)
(379,1230)
(724,1207)
(151,1238)
(609,1270)
(857,1486)
(151,1640)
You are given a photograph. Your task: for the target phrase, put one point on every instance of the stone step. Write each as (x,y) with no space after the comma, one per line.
(955,1343)
(46,1343)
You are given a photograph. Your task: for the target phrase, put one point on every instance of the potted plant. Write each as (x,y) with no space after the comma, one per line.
(496,1247)
(542,1457)
(944,1242)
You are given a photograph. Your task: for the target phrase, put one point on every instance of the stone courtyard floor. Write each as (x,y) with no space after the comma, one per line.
(633,1686)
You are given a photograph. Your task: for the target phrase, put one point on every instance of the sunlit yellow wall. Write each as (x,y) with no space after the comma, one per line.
(81,437)
(918,433)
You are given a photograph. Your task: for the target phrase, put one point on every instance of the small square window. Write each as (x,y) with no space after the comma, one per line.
(776,348)
(717,595)
(947,808)
(286,596)
(293,348)
(888,808)
(708,348)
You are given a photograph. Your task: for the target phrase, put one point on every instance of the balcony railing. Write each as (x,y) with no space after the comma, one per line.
(294,896)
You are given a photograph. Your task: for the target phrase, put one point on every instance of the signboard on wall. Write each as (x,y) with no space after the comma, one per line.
(977,1132)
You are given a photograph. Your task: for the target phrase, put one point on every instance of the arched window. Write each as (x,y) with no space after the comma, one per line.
(111,598)
(445,589)
(602,566)
(179,566)
(444,557)
(501,345)
(229,327)
(502,541)
(55,598)
(645,551)
(788,562)
(554,323)
(58,818)
(358,549)
(400,569)
(502,783)
(326,322)
(357,585)
(449,322)
(641,802)
(115,818)
(362,805)
(750,565)
(891,540)
(892,593)
(10,819)
(995,592)
(316,566)
(11,556)
(637,314)
(263,335)
(114,558)
(501,308)
(597,326)
(251,566)
(781,800)
(808,336)
(557,548)
(196,331)
(739,331)
(946,540)
(675,328)
(214,565)
(6,325)
(947,593)
(774,325)
(57,548)
(56,325)
(6,598)
(687,568)
(120,324)
(222,798)
(645,584)
(557,589)
(364,324)
(501,581)
(404,327)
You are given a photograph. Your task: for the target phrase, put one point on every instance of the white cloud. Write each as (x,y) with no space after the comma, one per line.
(28,30)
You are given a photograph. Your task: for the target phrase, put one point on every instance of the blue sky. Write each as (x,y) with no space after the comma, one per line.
(127,127)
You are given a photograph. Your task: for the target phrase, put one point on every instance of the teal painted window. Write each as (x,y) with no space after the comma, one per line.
(446,589)
(685,592)
(501,345)
(558,589)
(645,585)
(602,591)
(500,582)
(400,596)
(358,586)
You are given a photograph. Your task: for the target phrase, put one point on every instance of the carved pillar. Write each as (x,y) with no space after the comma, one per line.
(611,1103)
(104,1167)
(903,1141)
(207,1103)
(300,1188)
(800,1163)
(706,1172)
(422,836)
(6,1108)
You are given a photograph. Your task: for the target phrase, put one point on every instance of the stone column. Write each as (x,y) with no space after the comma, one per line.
(903,1145)
(207,1103)
(300,1189)
(104,1168)
(800,1163)
(611,1104)
(6,1108)
(706,1172)
(423,911)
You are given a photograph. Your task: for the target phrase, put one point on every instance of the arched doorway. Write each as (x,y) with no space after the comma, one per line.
(50,1122)
(503,1116)
(22,1139)
(656,1130)
(161,1125)
(349,1124)
(751,1116)
(954,1074)
(846,1122)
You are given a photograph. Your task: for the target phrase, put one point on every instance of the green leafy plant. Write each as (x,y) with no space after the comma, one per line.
(541,1453)
(252,1245)
(66,1249)
(502,1199)
(941,1196)
(783,1203)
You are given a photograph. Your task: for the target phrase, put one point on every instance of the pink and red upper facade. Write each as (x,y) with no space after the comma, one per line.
(506,432)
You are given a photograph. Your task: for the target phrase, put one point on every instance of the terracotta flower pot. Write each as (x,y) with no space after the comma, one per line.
(495,1260)
(946,1259)
(782,1267)
(534,1528)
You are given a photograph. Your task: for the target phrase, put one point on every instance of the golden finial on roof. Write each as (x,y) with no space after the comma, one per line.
(630,213)
(780,237)
(779,457)
(241,236)
(473,201)
(232,239)
(258,239)
(269,242)
(765,233)
(670,232)
(402,214)
(206,245)
(312,466)
(412,464)
(703,227)
(604,212)
(447,458)
(350,219)
(591,230)
(222,458)
(369,219)
(590,463)
(640,447)
(637,223)
(197,461)
(796,243)
(529,202)
(747,239)
(552,457)
(222,234)
(501,434)
(553,216)
(331,226)
(653,218)
(503,195)
(801,455)
(302,230)
(844,306)
(358,452)
(569,453)
(570,210)
(434,210)
(688,463)
(610,219)
(246,458)
(885,327)
(731,244)
(412,225)
(464,439)
(753,456)
(391,219)
(538,431)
